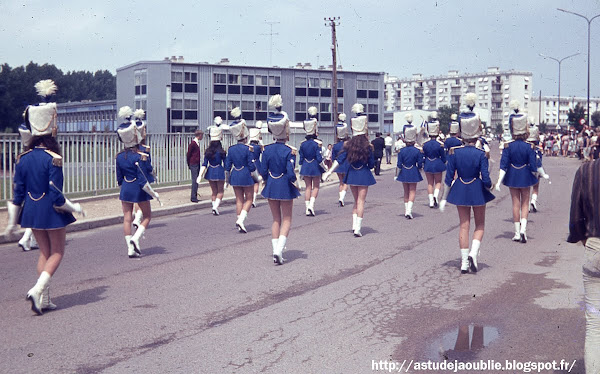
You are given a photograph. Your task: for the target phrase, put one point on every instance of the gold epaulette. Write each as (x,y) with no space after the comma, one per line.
(319,142)
(57,159)
(451,151)
(507,143)
(262,147)
(251,147)
(21,154)
(441,142)
(418,147)
(144,156)
(147,148)
(294,150)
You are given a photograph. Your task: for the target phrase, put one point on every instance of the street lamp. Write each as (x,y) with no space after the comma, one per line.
(589,21)
(559,63)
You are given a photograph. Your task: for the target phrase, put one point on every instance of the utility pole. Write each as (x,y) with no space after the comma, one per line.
(271,23)
(333,22)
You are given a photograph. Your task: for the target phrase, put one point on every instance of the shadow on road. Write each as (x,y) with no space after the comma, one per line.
(153,251)
(84,297)
(294,254)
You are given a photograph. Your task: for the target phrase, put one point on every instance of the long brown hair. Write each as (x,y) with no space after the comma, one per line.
(358,148)
(47,141)
(214,147)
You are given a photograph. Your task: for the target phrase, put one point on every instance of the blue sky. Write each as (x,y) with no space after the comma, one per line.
(398,37)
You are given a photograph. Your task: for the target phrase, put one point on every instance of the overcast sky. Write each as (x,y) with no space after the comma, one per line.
(399,37)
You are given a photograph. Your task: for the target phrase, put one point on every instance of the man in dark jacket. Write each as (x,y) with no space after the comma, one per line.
(194,159)
(378,147)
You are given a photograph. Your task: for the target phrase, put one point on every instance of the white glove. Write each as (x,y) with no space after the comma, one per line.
(201,174)
(542,173)
(13,217)
(325,176)
(442,205)
(70,207)
(150,191)
(501,175)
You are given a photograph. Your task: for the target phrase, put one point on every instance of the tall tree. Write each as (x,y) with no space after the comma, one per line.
(596,118)
(444,113)
(575,116)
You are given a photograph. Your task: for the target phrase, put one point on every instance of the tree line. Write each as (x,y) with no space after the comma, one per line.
(17,89)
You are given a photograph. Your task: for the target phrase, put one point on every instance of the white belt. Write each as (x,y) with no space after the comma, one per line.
(518,167)
(274,177)
(408,168)
(133,180)
(309,161)
(236,169)
(471,181)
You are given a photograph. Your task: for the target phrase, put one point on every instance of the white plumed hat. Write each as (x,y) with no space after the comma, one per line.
(342,117)
(534,134)
(41,119)
(358,108)
(360,125)
(216,133)
(129,133)
(312,111)
(519,125)
(236,112)
(514,104)
(470,99)
(434,115)
(433,128)
(408,117)
(341,130)
(454,116)
(139,113)
(454,127)
(255,131)
(125,112)
(281,127)
(310,126)
(45,87)
(276,101)
(218,120)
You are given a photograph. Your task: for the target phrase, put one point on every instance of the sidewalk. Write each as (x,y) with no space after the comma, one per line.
(106,210)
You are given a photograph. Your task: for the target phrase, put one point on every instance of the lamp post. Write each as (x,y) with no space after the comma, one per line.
(589,22)
(559,63)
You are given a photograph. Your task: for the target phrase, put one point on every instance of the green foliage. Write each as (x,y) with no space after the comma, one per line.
(17,89)
(596,118)
(444,113)
(575,116)
(499,129)
(543,127)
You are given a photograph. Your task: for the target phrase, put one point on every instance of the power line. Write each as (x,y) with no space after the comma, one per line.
(271,33)
(333,22)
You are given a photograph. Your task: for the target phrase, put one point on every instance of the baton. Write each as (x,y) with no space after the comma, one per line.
(67,201)
(141,171)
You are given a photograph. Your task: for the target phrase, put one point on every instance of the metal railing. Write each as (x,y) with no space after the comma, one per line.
(89,159)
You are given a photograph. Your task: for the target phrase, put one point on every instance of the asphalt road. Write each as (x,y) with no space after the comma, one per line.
(207,299)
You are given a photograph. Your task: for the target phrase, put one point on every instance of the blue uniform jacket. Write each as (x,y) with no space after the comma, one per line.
(257,151)
(358,173)
(132,178)
(519,162)
(215,170)
(410,161)
(34,171)
(310,158)
(452,141)
(435,156)
(240,158)
(473,182)
(278,170)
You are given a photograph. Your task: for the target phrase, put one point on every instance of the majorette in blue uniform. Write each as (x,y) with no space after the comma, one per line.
(518,166)
(255,139)
(27,241)
(134,173)
(311,161)
(38,202)
(534,139)
(435,159)
(342,134)
(214,169)
(472,183)
(240,168)
(277,167)
(409,120)
(453,140)
(410,161)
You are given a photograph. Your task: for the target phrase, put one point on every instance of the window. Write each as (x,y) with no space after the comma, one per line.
(340,84)
(325,117)
(232,104)
(526,86)
(191,114)
(373,118)
(300,91)
(247,79)
(274,81)
(373,94)
(220,88)
(274,90)
(361,94)
(176,104)
(299,82)
(177,114)
(248,106)
(362,85)
(372,108)
(300,116)
(261,106)
(261,90)
(140,78)
(191,77)
(261,80)
(373,85)
(233,89)
(325,107)
(233,79)
(192,88)
(340,108)
(219,78)
(325,92)
(219,105)
(340,93)
(191,104)
(248,90)
(313,82)
(325,83)
(300,107)
(176,76)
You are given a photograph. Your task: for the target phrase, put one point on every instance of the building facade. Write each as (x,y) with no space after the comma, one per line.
(494,88)
(87,116)
(179,96)
(545,109)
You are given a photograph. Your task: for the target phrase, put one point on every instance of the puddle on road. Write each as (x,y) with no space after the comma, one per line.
(462,343)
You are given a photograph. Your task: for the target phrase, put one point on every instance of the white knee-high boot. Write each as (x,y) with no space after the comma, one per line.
(311,206)
(278,254)
(533,205)
(436,194)
(430,200)
(464,264)
(306,205)
(523,231)
(240,221)
(46,302)
(357,232)
(473,254)
(354,217)
(24,243)
(35,293)
(409,210)
(137,219)
(130,248)
(342,197)
(517,236)
(135,239)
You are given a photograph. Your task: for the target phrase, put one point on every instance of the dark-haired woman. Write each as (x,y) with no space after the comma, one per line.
(213,166)
(435,160)
(518,166)
(358,160)
(38,202)
(134,175)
